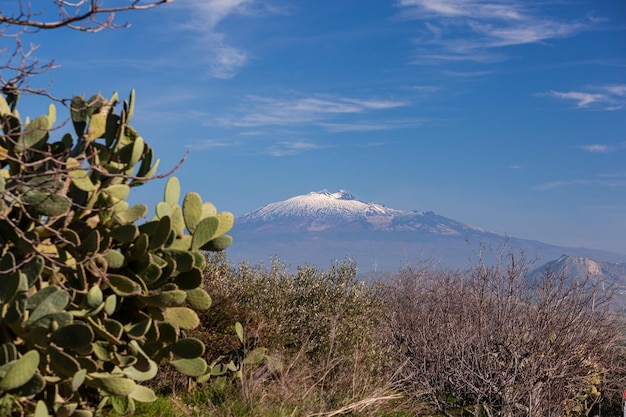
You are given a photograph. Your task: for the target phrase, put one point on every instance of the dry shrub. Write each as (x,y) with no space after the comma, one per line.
(493,342)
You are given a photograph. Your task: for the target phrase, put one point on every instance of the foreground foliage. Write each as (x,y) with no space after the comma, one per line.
(91,303)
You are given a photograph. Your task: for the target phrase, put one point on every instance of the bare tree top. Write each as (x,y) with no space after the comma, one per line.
(18,63)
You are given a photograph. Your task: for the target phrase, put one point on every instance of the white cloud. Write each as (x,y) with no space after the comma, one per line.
(608,97)
(291,148)
(263,111)
(581,183)
(597,148)
(204,17)
(371,127)
(472,29)
(211,144)
(581,99)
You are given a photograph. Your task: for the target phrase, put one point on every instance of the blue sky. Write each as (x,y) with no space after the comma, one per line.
(505,114)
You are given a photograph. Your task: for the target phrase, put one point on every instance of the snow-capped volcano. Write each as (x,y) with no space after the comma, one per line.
(318,211)
(321,226)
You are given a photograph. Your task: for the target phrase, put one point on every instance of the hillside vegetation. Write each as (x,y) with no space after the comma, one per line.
(487,342)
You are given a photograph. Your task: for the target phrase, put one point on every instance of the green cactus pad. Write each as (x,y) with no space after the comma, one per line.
(190,367)
(208,209)
(188,348)
(34,135)
(52,301)
(184,259)
(161,233)
(138,330)
(62,318)
(182,243)
(115,259)
(33,387)
(163,210)
(46,204)
(110,304)
(192,210)
(166,298)
(79,176)
(8,353)
(143,394)
(227,219)
(129,106)
(78,379)
(74,336)
(113,327)
(33,269)
(118,191)
(178,222)
(62,363)
(91,243)
(220,243)
(94,297)
(123,286)
(205,231)
(172,191)
(21,371)
(168,333)
(139,247)
(125,233)
(183,317)
(189,280)
(9,286)
(199,299)
(116,385)
(131,214)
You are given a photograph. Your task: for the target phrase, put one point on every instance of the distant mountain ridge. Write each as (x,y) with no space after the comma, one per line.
(321,226)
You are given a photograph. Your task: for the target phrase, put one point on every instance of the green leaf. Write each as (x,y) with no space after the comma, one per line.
(239,331)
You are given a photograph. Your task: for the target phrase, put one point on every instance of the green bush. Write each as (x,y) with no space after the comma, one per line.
(321,324)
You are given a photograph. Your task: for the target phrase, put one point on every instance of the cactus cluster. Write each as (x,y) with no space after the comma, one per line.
(91,304)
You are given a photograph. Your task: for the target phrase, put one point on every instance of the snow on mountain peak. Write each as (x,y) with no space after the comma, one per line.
(323,203)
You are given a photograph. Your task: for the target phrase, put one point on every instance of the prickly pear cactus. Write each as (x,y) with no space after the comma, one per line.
(92,303)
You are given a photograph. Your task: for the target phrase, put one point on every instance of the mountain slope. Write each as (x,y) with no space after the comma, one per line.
(609,276)
(321,226)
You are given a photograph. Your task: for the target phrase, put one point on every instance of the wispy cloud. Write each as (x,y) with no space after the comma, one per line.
(612,183)
(371,127)
(211,144)
(287,148)
(204,16)
(267,111)
(472,29)
(608,97)
(597,148)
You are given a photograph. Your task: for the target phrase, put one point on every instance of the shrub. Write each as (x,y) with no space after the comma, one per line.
(322,325)
(493,342)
